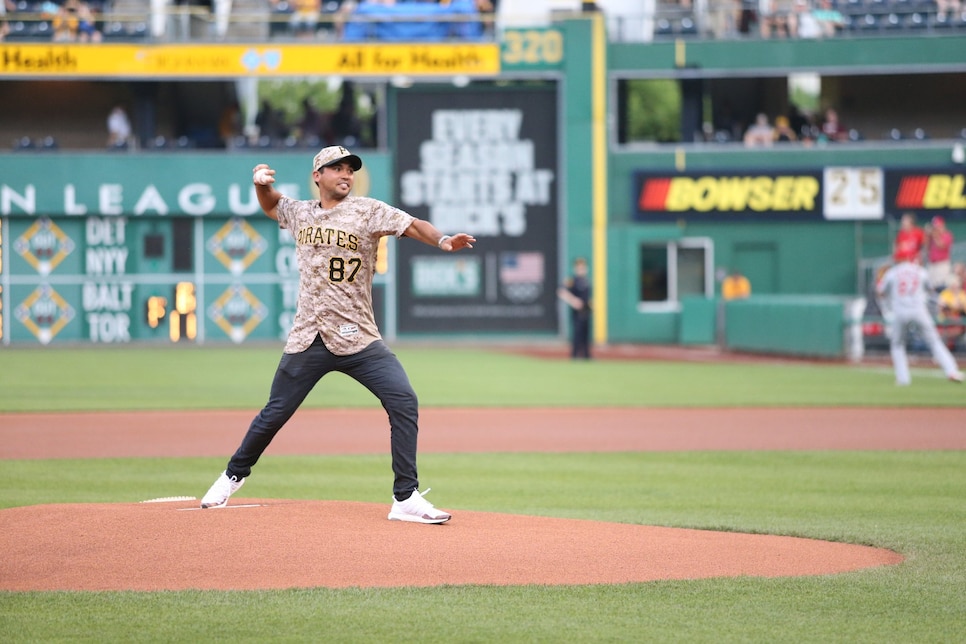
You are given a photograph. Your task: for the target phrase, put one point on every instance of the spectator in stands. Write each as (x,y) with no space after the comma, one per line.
(939,245)
(118,128)
(832,128)
(808,26)
(946,7)
(778,19)
(66,22)
(909,240)
(87,26)
(830,20)
(748,16)
(783,130)
(722,19)
(952,311)
(305,17)
(487,10)
(760,134)
(342,14)
(5,6)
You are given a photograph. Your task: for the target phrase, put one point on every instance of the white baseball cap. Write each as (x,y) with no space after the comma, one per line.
(335,154)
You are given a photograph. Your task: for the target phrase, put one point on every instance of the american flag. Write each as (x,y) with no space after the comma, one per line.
(521,268)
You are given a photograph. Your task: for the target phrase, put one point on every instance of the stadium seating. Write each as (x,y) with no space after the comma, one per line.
(861,18)
(115,31)
(417,21)
(39,144)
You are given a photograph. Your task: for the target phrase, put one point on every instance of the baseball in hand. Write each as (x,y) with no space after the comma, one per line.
(262,177)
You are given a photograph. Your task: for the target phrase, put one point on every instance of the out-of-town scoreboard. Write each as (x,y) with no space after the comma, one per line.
(122,278)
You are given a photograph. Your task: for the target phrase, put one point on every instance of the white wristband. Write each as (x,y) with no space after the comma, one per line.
(439,244)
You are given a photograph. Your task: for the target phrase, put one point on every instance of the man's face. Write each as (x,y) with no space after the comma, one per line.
(335,181)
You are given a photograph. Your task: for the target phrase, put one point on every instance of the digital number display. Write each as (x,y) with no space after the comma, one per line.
(156,309)
(853,193)
(183,321)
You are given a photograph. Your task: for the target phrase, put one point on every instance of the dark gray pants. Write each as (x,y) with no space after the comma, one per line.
(376,368)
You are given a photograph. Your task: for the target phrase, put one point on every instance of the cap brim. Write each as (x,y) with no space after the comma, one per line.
(354,162)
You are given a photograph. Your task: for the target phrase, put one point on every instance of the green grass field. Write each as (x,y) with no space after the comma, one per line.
(912,502)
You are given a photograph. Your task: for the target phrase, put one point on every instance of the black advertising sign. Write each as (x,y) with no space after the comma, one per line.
(484,163)
(835,193)
(929,190)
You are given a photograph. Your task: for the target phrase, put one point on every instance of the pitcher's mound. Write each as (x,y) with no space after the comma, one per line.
(264,544)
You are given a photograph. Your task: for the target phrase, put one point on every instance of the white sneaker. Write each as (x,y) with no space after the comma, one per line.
(956,376)
(224,487)
(417,509)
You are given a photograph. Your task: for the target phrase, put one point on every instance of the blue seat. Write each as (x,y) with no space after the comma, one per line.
(942,22)
(119,31)
(139,30)
(893,21)
(915,20)
(687,27)
(41,29)
(23,143)
(17,31)
(113,31)
(868,22)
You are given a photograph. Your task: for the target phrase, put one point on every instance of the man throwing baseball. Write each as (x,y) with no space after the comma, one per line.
(334,329)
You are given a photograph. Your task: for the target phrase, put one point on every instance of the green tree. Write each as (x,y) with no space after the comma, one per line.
(287,97)
(653,110)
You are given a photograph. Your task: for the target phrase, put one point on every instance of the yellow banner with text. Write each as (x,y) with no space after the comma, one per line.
(46,60)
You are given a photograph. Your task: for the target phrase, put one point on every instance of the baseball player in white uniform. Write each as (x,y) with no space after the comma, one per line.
(336,239)
(904,285)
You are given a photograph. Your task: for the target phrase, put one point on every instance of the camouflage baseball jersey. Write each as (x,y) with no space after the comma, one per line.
(336,252)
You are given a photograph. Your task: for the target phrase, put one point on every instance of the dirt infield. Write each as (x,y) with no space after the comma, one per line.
(262,544)
(257,543)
